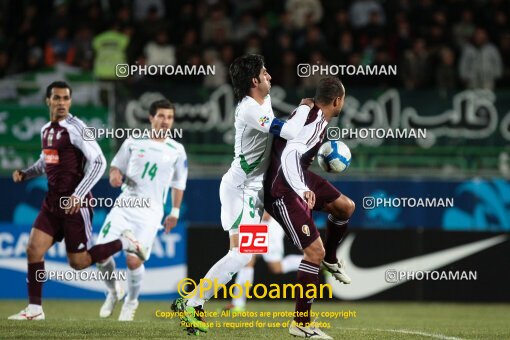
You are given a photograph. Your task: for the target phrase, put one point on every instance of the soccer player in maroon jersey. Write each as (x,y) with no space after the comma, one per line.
(291,192)
(73,166)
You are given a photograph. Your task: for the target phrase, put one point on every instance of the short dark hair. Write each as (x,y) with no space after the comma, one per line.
(59,84)
(242,71)
(160,104)
(329,89)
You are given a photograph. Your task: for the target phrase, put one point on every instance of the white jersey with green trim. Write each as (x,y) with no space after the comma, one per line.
(151,169)
(252,143)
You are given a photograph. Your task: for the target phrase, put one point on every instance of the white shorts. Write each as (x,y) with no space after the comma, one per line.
(240,206)
(143,226)
(275,247)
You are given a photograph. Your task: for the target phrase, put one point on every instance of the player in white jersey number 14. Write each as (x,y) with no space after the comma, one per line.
(151,167)
(241,188)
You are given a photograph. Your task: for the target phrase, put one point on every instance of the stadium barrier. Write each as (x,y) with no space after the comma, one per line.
(411,264)
(383,233)
(470,205)
(467,131)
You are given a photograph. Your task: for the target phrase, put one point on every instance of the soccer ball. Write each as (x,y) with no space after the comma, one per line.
(334,156)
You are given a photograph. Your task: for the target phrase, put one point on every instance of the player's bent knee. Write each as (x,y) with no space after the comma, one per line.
(34,253)
(343,208)
(31,250)
(79,261)
(133,262)
(350,207)
(77,265)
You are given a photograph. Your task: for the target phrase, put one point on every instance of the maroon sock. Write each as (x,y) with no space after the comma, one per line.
(35,278)
(308,273)
(101,252)
(335,231)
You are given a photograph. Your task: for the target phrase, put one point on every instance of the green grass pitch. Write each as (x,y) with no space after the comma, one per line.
(374,320)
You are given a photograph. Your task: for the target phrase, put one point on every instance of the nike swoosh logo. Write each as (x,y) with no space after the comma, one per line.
(159,280)
(370,281)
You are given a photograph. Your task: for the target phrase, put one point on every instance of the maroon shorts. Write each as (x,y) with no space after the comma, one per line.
(293,214)
(75,229)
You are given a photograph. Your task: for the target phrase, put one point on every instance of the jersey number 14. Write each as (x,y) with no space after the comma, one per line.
(150,172)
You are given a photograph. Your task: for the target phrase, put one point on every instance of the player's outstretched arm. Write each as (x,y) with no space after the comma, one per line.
(290,129)
(268,123)
(37,169)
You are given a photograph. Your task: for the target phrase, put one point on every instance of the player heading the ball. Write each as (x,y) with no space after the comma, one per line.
(292,192)
(241,188)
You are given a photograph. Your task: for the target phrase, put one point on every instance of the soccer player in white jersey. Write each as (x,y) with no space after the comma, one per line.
(151,167)
(241,189)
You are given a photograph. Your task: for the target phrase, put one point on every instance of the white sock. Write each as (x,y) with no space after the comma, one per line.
(135,278)
(125,243)
(108,267)
(245,274)
(290,263)
(35,309)
(222,272)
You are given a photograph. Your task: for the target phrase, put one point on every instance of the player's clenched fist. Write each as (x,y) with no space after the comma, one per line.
(115,178)
(18,176)
(307,101)
(309,197)
(73,205)
(170,223)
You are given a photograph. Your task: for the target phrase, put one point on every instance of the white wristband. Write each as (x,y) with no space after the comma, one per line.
(175,212)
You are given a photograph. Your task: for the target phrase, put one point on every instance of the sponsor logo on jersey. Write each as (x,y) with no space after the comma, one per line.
(51,156)
(263,120)
(305,229)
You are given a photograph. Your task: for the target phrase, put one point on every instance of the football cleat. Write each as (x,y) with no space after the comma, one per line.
(111,300)
(191,316)
(134,246)
(307,332)
(233,308)
(127,313)
(338,271)
(192,331)
(27,314)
